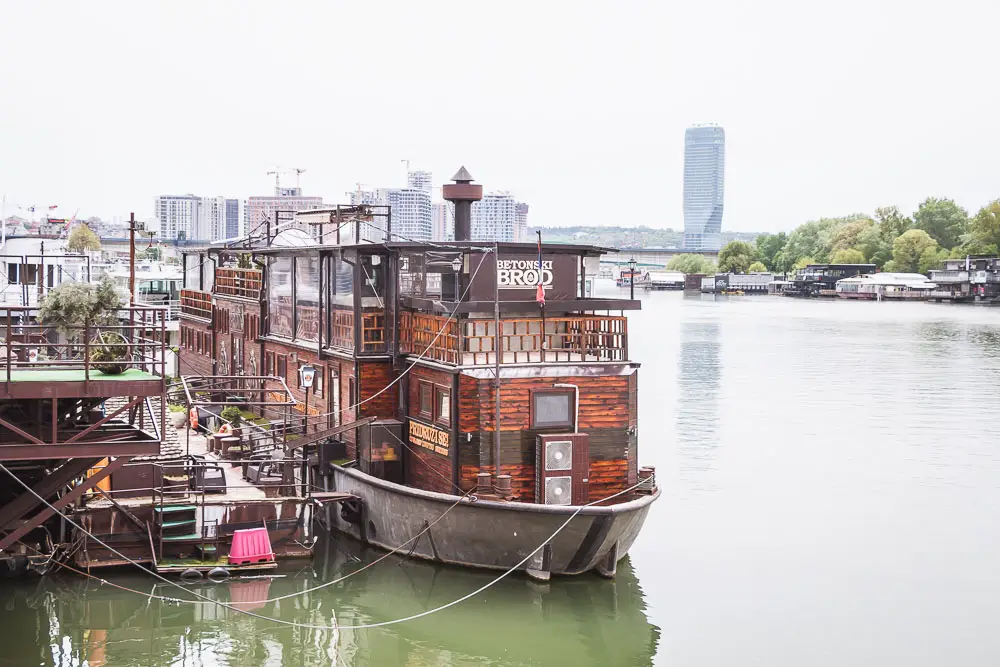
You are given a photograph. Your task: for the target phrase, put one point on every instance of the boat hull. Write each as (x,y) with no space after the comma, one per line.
(489,534)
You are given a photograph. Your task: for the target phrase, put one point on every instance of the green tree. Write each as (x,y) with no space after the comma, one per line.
(757,267)
(891,222)
(942,219)
(847,256)
(984,231)
(74,304)
(803,262)
(876,249)
(913,251)
(691,263)
(768,248)
(82,238)
(846,235)
(736,257)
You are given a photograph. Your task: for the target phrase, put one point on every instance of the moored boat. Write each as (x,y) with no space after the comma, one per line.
(467,392)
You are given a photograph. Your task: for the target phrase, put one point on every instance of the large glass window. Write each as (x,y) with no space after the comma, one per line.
(307,297)
(373,280)
(279,296)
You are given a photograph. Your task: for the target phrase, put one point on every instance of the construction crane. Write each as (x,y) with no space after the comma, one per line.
(278,171)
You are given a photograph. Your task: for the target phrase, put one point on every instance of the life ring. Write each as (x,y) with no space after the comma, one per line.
(194,418)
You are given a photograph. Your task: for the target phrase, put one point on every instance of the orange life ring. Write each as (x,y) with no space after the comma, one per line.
(194,418)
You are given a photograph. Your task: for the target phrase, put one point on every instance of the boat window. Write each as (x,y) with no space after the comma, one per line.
(552,409)
(426,400)
(318,381)
(373,280)
(279,293)
(307,297)
(442,404)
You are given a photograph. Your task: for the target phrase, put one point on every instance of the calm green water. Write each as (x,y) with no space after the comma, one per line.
(831,476)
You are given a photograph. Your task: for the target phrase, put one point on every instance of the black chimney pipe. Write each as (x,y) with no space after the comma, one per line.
(462,193)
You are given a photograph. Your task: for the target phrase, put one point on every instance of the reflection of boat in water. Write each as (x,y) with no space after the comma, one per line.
(580,621)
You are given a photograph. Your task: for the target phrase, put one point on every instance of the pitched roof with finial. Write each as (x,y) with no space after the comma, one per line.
(462,176)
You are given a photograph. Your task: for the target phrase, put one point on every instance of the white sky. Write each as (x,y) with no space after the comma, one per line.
(578,108)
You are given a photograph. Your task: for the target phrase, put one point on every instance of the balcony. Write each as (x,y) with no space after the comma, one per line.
(197,304)
(947,276)
(39,361)
(239,283)
(588,338)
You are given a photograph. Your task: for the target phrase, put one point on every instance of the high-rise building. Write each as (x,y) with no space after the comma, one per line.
(234,219)
(177,215)
(419,180)
(521,227)
(442,222)
(210,223)
(494,218)
(704,182)
(411,213)
(259,209)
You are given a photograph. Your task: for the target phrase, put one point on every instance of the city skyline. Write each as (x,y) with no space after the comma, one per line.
(798,126)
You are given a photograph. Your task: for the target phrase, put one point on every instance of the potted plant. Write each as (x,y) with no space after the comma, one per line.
(177,415)
(233,416)
(109,353)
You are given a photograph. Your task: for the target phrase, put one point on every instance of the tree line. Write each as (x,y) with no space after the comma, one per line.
(939,229)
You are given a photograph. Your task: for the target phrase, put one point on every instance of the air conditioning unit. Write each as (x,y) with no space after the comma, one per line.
(562,468)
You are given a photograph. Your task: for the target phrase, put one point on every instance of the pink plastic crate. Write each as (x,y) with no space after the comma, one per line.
(251,546)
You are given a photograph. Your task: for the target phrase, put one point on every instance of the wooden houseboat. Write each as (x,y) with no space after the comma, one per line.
(666,280)
(455,388)
(821,279)
(888,285)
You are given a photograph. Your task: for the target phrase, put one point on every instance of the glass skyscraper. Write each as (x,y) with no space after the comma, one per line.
(704,181)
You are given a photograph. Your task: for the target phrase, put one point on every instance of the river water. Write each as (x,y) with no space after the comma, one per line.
(830,476)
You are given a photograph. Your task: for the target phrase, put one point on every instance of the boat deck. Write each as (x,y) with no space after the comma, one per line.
(26,382)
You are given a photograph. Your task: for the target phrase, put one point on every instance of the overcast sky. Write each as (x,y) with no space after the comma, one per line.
(577,108)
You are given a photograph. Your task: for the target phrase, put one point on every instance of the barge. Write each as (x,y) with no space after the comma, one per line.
(469,393)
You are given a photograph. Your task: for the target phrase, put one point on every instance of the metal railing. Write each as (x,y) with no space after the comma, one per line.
(32,345)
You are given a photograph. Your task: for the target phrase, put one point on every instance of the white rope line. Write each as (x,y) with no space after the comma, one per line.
(279,621)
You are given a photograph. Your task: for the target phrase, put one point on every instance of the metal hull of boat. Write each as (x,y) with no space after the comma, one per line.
(489,534)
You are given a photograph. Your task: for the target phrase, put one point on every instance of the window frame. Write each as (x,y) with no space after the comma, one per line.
(429,387)
(553,391)
(281,366)
(440,391)
(269,363)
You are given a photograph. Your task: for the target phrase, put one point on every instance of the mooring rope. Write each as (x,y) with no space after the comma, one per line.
(310,626)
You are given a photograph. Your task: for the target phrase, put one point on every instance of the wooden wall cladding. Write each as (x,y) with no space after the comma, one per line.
(374,378)
(428,471)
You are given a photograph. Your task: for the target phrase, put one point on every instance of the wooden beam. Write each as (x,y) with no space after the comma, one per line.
(78,490)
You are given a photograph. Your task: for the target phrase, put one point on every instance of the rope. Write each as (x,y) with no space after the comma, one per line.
(373,563)
(279,621)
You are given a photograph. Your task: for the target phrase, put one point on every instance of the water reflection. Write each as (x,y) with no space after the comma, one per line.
(70,621)
(698,380)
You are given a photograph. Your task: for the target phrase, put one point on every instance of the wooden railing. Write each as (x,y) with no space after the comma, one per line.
(242,283)
(521,340)
(196,304)
(418,334)
(372,331)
